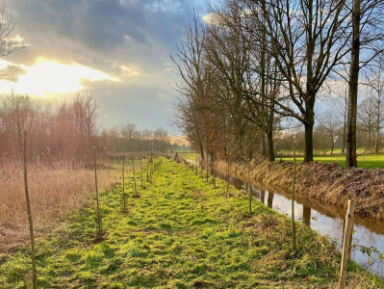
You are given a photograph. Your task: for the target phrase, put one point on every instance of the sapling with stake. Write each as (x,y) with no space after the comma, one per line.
(147,168)
(124,196)
(134,179)
(228,172)
(141,169)
(293,195)
(98,215)
(29,211)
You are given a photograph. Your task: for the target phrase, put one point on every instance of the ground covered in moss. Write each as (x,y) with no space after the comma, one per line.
(181,233)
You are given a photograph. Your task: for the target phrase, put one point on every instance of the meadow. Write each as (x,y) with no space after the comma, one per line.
(182,232)
(365,161)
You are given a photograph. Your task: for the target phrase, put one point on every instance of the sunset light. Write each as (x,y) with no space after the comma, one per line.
(47,77)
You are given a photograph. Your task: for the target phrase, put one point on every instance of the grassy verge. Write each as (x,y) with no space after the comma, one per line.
(182,233)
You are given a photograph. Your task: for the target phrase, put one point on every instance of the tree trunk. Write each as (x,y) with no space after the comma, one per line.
(345,123)
(351,159)
(263,147)
(377,135)
(271,153)
(308,153)
(201,151)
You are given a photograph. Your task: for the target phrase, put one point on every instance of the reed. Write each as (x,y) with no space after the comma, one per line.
(54,191)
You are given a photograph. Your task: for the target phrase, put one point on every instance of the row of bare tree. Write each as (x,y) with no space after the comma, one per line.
(252,67)
(69,133)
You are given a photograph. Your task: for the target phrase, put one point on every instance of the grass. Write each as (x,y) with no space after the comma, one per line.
(368,161)
(181,233)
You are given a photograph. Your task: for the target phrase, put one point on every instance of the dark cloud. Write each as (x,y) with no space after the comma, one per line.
(139,31)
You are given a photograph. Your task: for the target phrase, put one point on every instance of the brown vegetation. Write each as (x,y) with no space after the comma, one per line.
(326,182)
(55,190)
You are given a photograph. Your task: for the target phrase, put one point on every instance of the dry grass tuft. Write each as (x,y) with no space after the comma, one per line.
(54,192)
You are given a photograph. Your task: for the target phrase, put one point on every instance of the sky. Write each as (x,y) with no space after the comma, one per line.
(117,50)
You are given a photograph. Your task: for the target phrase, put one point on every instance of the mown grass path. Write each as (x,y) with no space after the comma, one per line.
(181,233)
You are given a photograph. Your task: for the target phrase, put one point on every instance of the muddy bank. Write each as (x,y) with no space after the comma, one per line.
(328,183)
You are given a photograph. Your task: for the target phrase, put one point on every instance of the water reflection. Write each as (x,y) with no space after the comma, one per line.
(306,215)
(262,197)
(328,220)
(270,199)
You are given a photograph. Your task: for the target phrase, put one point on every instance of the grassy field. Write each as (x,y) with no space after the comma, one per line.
(370,161)
(366,161)
(181,233)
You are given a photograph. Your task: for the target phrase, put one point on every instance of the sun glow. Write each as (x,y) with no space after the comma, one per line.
(48,77)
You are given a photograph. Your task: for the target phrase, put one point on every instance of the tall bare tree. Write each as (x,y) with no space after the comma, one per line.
(308,40)
(367,35)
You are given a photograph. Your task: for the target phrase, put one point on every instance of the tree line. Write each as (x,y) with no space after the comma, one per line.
(251,69)
(68,133)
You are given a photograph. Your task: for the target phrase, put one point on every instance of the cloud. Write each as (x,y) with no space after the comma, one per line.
(107,41)
(98,33)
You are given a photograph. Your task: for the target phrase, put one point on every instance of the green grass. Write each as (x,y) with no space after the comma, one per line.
(368,161)
(181,233)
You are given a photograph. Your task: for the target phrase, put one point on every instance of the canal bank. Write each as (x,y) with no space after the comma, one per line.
(272,188)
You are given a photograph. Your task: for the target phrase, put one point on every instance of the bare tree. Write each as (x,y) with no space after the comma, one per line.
(376,83)
(10,42)
(329,126)
(366,118)
(308,41)
(367,35)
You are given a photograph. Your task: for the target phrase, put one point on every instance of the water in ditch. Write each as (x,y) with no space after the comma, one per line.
(326,219)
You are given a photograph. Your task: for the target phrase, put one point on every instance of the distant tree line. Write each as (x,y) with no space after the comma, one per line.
(251,68)
(127,138)
(68,133)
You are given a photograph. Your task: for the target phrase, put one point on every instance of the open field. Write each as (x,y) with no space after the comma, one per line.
(181,233)
(367,161)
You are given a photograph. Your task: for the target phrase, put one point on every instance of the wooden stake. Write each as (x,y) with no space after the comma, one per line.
(97,202)
(134,178)
(142,168)
(346,242)
(249,189)
(29,211)
(293,195)
(124,199)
